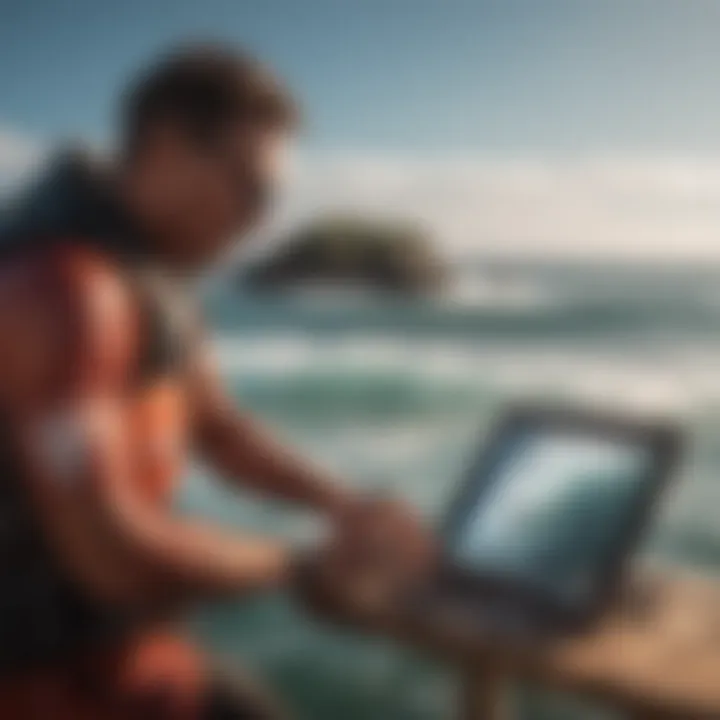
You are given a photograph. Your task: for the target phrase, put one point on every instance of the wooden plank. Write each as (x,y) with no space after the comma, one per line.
(661,656)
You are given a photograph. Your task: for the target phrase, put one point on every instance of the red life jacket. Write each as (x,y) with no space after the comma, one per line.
(44,617)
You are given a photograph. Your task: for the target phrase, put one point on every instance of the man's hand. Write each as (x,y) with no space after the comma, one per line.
(379,550)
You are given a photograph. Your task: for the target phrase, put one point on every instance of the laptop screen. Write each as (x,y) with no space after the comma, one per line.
(552,509)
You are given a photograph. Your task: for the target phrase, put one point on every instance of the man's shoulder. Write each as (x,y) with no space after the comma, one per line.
(51,200)
(65,306)
(66,269)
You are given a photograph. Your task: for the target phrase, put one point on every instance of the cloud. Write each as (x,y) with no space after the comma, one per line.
(611,207)
(18,155)
(17,151)
(614,207)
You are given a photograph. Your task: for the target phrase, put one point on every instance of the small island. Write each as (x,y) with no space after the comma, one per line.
(383,256)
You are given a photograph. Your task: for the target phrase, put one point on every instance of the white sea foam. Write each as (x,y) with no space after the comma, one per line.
(674,379)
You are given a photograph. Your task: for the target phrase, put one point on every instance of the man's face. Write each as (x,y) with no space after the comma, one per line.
(209,195)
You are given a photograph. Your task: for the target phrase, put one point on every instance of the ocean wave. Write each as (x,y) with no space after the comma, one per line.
(413,373)
(559,320)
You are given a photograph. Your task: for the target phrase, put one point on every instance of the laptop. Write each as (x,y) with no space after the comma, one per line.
(539,536)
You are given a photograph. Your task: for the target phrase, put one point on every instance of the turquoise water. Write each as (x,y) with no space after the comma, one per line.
(394,395)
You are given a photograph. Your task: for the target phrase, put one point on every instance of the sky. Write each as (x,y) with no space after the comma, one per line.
(541,127)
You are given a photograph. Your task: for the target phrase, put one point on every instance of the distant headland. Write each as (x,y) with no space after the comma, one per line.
(357,253)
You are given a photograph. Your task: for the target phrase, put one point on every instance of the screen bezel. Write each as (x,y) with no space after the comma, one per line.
(664,444)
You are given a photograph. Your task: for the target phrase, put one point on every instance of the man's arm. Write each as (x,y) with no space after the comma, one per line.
(68,335)
(244,452)
(372,537)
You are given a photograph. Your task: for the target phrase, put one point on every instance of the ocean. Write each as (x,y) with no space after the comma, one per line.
(395,394)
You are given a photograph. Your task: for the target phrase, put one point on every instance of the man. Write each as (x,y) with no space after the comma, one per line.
(105,385)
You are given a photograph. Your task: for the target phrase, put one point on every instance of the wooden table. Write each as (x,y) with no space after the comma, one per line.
(656,653)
